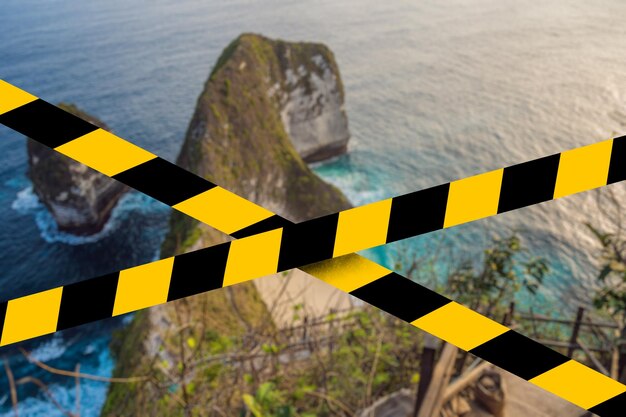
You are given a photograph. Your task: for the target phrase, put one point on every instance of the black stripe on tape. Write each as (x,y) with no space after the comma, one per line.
(400,296)
(528,183)
(617,168)
(199,271)
(164,181)
(615,407)
(3,313)
(87,301)
(519,355)
(308,242)
(271,223)
(46,123)
(417,213)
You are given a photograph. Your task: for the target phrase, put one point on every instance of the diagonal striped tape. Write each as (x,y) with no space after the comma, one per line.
(449,312)
(423,211)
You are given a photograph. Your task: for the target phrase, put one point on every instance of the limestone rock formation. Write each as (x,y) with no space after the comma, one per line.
(311,99)
(265,101)
(300,82)
(268,106)
(79,198)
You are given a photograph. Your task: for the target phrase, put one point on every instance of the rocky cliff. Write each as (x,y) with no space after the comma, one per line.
(268,105)
(311,100)
(79,198)
(300,81)
(245,134)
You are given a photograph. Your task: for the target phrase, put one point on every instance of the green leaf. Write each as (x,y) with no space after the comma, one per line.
(191,342)
(191,387)
(252,405)
(381,378)
(415,378)
(264,391)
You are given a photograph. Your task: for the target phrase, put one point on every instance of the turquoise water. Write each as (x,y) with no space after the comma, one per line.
(435,91)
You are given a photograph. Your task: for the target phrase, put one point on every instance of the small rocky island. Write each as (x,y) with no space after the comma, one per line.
(80,199)
(267,107)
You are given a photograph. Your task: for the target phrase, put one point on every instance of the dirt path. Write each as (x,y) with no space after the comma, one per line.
(282,292)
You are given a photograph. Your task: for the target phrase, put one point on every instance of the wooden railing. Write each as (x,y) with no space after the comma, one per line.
(597,340)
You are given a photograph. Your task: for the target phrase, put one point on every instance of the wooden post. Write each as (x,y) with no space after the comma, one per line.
(573,342)
(426,370)
(432,402)
(465,381)
(305,324)
(331,331)
(508,316)
(593,359)
(622,356)
(532,320)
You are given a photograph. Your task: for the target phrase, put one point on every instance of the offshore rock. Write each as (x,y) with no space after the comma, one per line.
(79,198)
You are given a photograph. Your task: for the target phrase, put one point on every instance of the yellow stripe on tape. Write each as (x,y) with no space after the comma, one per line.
(12,97)
(254,256)
(347,272)
(143,286)
(31,316)
(460,326)
(105,152)
(579,384)
(473,198)
(223,210)
(362,227)
(583,169)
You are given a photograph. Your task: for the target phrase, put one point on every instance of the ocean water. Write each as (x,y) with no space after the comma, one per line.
(435,91)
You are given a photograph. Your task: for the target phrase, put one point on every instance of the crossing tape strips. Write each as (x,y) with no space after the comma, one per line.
(283,245)
(409,215)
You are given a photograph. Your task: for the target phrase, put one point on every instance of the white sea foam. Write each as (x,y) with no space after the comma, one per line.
(92,399)
(53,348)
(357,186)
(27,203)
(92,393)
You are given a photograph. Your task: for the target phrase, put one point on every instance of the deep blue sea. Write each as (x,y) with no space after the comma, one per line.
(435,91)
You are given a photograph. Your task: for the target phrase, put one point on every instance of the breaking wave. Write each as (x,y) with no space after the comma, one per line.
(27,203)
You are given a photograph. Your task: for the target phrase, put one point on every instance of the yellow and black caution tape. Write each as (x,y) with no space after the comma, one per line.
(268,252)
